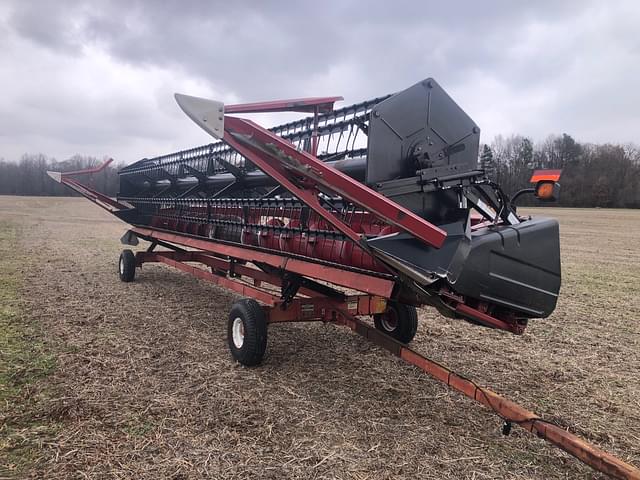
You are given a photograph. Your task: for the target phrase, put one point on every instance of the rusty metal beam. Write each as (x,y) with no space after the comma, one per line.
(209,260)
(511,412)
(235,285)
(326,309)
(346,278)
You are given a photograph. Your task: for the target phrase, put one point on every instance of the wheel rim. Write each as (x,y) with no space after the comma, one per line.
(121,266)
(389,320)
(237,332)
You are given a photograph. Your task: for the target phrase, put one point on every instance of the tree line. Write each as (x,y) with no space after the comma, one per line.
(29,175)
(593,175)
(604,175)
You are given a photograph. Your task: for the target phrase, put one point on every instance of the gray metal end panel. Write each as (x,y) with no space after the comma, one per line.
(208,114)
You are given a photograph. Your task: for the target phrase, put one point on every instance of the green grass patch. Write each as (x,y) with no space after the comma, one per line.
(24,360)
(138,427)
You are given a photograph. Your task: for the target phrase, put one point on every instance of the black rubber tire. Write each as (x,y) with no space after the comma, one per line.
(254,326)
(400,321)
(127,266)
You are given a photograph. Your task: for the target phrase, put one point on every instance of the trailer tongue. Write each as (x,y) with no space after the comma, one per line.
(383,197)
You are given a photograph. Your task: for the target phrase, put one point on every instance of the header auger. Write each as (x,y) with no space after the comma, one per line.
(383,197)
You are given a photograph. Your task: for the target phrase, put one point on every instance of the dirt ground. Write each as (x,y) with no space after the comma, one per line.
(144,386)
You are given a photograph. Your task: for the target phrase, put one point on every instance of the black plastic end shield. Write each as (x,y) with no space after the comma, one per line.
(420,128)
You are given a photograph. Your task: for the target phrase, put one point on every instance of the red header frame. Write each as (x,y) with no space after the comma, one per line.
(322,104)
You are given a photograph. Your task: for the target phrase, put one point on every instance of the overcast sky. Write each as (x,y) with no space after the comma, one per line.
(97,78)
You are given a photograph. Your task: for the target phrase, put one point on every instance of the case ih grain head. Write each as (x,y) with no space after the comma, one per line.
(383,197)
(386,186)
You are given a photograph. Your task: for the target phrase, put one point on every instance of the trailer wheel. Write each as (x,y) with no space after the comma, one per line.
(127,266)
(247,332)
(400,321)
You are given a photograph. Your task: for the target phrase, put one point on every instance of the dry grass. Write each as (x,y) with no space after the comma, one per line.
(24,359)
(146,387)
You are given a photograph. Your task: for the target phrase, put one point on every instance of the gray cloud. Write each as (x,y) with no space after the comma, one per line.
(100,76)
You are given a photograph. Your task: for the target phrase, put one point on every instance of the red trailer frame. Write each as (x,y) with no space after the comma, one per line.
(308,304)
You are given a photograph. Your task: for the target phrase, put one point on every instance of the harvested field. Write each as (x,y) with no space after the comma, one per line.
(142,385)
